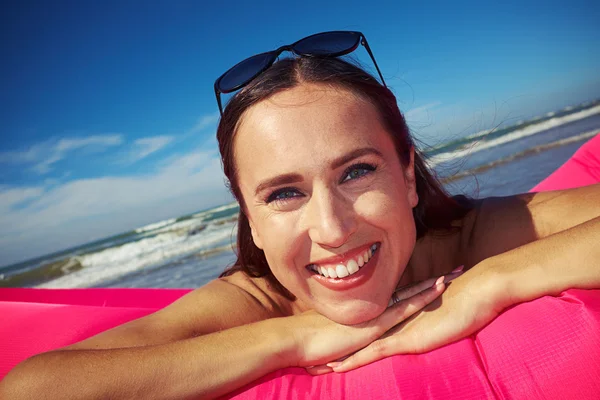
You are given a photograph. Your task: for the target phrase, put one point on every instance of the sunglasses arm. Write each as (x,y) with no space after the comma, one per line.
(218,96)
(366,44)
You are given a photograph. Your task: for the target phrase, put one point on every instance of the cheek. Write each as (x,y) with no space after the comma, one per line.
(284,246)
(389,212)
(281,241)
(386,207)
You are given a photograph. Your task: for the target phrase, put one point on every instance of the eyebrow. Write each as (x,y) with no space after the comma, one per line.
(286,179)
(277,181)
(338,162)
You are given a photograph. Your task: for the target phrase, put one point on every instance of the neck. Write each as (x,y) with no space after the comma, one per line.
(435,254)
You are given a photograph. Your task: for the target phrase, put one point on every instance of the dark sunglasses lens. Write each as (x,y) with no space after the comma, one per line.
(328,43)
(244,72)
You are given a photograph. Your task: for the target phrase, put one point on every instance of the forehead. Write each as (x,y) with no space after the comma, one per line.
(307,103)
(307,123)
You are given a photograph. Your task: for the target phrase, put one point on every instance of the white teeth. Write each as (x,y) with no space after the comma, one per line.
(332,272)
(352,267)
(341,271)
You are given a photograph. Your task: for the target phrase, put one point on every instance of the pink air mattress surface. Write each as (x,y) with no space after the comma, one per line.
(548,348)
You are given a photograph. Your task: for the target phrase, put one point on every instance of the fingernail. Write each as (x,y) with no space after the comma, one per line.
(334,364)
(439,281)
(459,269)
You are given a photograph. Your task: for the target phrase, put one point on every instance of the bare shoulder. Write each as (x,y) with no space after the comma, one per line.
(221,304)
(499,224)
(262,291)
(546,212)
(558,210)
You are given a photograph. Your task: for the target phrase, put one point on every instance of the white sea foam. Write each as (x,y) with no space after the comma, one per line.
(118,261)
(156,225)
(216,210)
(573,139)
(170,225)
(518,134)
(184,225)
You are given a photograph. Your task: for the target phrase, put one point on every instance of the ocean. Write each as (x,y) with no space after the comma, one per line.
(190,250)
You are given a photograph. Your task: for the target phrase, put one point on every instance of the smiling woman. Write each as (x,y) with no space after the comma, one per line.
(335,180)
(346,243)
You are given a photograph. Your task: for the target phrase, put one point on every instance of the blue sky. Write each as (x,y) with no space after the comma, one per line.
(108,113)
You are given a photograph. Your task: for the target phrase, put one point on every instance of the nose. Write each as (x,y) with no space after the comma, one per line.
(330,218)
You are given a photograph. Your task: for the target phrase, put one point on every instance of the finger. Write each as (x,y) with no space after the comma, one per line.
(454,274)
(406,308)
(397,297)
(405,293)
(319,370)
(377,350)
(417,288)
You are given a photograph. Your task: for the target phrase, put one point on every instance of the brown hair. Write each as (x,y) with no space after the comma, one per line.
(436,209)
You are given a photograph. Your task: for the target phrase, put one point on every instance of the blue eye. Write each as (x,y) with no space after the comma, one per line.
(357,171)
(283,194)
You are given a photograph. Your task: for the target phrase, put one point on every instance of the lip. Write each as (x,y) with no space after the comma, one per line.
(344,257)
(354,280)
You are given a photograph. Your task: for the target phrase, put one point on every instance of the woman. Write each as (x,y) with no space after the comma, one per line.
(337,211)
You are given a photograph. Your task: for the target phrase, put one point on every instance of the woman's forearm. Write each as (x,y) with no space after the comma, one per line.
(206,366)
(564,260)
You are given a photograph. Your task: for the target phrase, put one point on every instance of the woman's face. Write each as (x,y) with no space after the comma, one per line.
(327,199)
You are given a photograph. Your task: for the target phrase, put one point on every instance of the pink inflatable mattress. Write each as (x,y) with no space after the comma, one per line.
(548,348)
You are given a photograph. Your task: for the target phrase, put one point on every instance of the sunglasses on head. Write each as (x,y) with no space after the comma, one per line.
(325,44)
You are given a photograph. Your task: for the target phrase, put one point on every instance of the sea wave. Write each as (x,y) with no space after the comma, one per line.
(173,224)
(216,210)
(480,143)
(525,153)
(156,225)
(48,271)
(115,262)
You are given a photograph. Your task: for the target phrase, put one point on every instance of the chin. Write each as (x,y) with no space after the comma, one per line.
(353,314)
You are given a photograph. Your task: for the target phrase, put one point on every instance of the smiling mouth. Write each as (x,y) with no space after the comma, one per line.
(347,268)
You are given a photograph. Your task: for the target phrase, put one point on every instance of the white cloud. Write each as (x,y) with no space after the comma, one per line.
(145,146)
(11,197)
(20,157)
(44,166)
(102,141)
(205,121)
(421,112)
(44,155)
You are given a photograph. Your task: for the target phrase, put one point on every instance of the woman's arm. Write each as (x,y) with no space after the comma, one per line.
(520,248)
(502,224)
(206,366)
(149,358)
(564,260)
(540,243)
(185,348)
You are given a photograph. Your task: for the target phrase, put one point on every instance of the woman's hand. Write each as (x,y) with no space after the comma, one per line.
(318,340)
(415,288)
(468,304)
